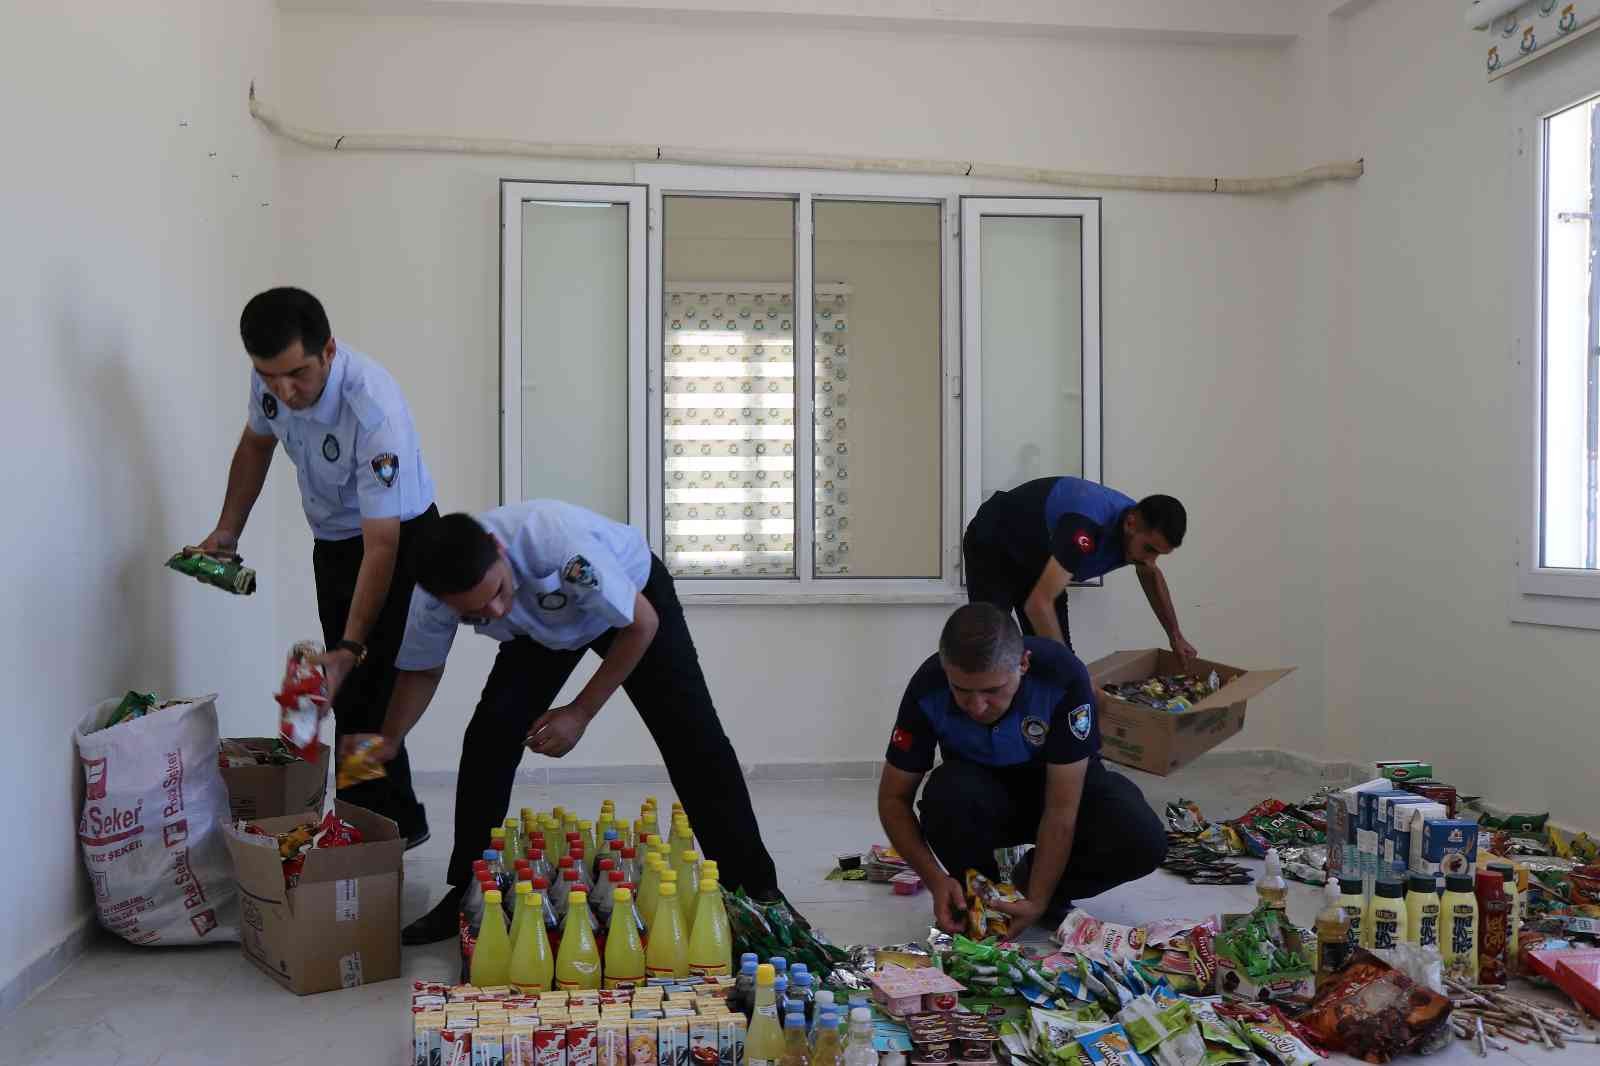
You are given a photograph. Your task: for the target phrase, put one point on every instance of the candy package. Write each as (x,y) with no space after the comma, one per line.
(1373,1011)
(293,843)
(361,764)
(1166,1034)
(302,699)
(983,920)
(223,570)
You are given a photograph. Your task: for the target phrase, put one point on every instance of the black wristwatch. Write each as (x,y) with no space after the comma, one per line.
(355,648)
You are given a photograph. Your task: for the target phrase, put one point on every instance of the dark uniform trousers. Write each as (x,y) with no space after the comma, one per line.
(363,700)
(994,576)
(669,692)
(968,810)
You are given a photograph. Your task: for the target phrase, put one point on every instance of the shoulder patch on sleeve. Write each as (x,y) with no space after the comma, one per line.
(385,468)
(1080,719)
(900,739)
(579,571)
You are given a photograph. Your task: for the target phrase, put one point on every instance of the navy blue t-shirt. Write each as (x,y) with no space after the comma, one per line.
(1077,522)
(1051,719)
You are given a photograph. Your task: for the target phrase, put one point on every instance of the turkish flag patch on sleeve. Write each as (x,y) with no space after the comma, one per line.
(900,739)
(1084,542)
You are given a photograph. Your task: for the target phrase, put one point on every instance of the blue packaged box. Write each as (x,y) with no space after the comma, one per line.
(1388,809)
(1405,819)
(1445,846)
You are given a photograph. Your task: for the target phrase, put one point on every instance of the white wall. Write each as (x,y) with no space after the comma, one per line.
(1419,485)
(134,232)
(1193,290)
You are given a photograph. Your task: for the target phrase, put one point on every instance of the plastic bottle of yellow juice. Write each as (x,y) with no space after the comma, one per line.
(624,950)
(710,949)
(763,1046)
(578,961)
(650,891)
(532,963)
(491,958)
(668,953)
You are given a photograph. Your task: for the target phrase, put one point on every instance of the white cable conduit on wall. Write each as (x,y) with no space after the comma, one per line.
(643,153)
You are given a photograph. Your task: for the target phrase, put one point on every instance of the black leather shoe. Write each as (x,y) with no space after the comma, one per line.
(441,923)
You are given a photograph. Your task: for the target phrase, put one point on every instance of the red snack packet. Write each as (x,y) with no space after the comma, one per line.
(302,699)
(334,833)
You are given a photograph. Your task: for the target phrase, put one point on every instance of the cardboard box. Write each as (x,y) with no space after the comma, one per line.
(1159,742)
(340,926)
(271,791)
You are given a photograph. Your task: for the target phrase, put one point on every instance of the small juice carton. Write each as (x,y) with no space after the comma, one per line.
(425,1037)
(705,1047)
(550,1046)
(489,1046)
(643,1042)
(581,1045)
(455,1047)
(611,1043)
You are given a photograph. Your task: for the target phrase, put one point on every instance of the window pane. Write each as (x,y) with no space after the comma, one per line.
(728,313)
(877,374)
(1030,281)
(1571,347)
(575,344)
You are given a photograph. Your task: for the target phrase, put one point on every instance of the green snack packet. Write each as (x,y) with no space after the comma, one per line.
(1148,1024)
(133,705)
(226,573)
(1227,1057)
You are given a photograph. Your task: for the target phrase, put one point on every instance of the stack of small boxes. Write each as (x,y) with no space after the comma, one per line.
(657,1025)
(925,999)
(1400,822)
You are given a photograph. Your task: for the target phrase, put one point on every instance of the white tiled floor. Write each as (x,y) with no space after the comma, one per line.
(123,1006)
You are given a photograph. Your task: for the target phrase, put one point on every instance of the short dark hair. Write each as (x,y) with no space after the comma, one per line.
(1165,515)
(275,319)
(980,637)
(453,555)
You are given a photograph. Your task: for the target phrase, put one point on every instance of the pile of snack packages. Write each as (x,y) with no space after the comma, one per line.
(303,700)
(667,1024)
(136,705)
(1170,692)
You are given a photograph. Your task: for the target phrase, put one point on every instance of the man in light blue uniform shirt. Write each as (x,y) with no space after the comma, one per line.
(367,496)
(550,581)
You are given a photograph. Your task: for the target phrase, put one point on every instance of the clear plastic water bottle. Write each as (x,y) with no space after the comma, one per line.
(860,1051)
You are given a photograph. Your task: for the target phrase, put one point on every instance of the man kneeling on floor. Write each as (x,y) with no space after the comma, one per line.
(1014,721)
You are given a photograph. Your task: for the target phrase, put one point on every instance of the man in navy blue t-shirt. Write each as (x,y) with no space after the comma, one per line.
(1014,721)
(1025,545)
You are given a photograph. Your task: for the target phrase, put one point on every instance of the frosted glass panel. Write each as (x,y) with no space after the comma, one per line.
(877,408)
(575,355)
(1030,284)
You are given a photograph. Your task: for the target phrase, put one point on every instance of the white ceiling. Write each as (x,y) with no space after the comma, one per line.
(1216,21)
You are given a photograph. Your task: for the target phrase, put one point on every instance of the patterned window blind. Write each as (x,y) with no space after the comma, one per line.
(729,429)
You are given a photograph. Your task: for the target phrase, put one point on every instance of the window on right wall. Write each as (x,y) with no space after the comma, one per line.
(1562,557)
(1569,535)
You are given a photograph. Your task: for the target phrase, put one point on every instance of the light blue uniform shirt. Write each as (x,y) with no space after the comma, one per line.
(355,451)
(576,575)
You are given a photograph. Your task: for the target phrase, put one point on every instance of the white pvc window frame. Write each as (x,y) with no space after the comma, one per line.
(513,194)
(1542,595)
(962,202)
(805,189)
(973,210)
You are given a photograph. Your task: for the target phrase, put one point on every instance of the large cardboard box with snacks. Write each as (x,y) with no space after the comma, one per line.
(1159,741)
(267,791)
(340,925)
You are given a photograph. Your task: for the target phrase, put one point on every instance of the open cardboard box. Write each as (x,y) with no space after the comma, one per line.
(269,791)
(1159,742)
(340,926)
